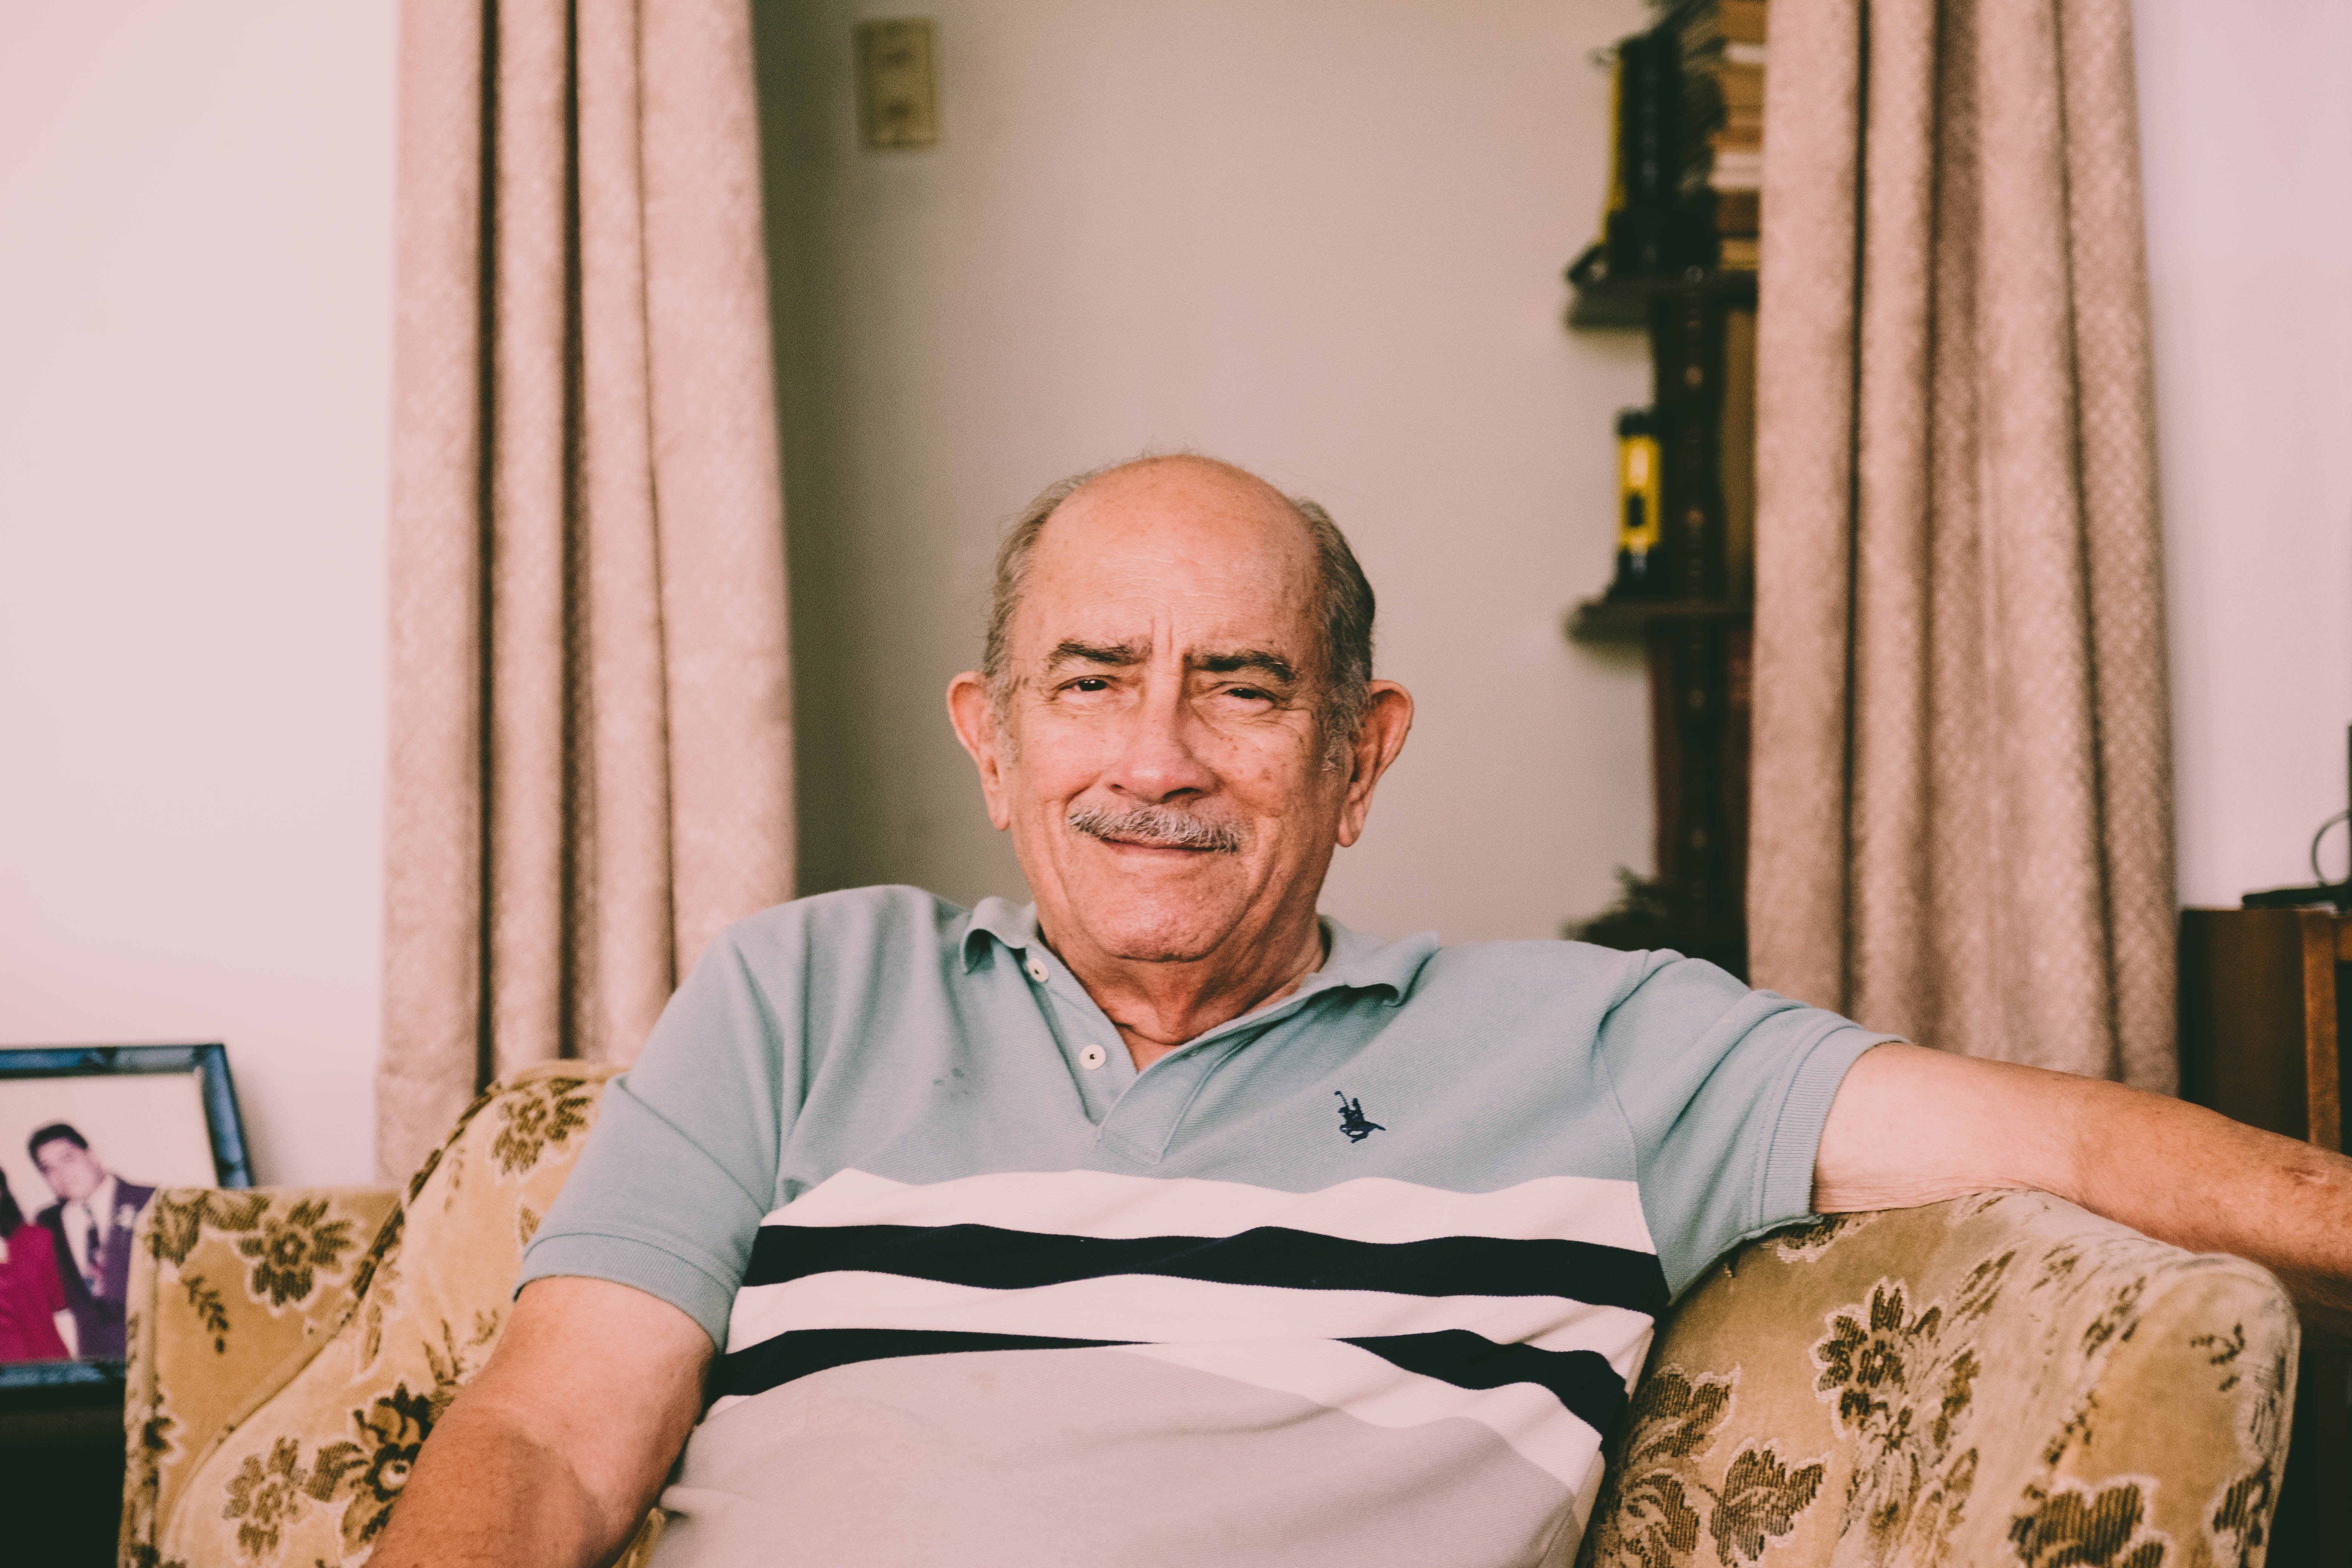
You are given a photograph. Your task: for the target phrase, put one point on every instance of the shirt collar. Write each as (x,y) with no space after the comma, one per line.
(1355,961)
(1013,927)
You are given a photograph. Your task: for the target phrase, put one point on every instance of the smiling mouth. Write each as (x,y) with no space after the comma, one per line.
(1157,827)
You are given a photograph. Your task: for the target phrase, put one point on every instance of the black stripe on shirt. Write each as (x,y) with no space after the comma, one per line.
(998,1260)
(1582,1381)
(801,1351)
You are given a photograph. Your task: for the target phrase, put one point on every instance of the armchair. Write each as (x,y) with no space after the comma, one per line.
(2003,1379)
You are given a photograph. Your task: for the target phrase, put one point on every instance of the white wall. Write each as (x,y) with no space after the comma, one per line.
(1320,237)
(2245,127)
(195,239)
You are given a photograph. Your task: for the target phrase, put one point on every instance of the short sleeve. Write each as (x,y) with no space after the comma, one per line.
(681,1167)
(1725,1090)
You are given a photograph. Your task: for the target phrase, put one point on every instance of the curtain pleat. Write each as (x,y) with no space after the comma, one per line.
(590,728)
(1962,818)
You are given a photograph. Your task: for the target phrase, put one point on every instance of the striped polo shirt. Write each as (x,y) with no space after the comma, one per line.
(1362,1277)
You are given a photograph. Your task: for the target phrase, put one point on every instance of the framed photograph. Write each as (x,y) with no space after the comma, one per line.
(86,1135)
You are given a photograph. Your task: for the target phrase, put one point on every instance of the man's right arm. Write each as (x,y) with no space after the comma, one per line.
(553,1452)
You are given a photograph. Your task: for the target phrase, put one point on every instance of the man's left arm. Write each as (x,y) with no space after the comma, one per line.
(1913,1126)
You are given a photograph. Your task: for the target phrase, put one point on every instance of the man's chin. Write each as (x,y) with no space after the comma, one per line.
(1150,906)
(1149,935)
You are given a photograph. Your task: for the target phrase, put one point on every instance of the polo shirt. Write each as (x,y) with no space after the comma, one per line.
(1363,1276)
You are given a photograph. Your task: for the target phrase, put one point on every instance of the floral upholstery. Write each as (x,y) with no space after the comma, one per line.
(2001,1380)
(290,1347)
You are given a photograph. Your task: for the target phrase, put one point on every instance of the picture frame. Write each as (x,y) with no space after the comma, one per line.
(86,1135)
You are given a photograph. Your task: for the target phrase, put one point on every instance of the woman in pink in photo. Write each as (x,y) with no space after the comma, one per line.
(32,1298)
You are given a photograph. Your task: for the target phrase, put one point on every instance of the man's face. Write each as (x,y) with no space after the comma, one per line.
(1158,760)
(72,1173)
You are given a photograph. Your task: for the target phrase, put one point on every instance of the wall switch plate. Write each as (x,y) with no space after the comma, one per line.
(897,90)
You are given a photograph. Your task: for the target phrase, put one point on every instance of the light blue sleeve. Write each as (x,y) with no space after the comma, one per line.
(1725,1090)
(682,1163)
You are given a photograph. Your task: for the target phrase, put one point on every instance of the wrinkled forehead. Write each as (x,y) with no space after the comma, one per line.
(1185,563)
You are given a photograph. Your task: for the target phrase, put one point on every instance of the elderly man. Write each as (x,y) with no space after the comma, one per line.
(1163,1222)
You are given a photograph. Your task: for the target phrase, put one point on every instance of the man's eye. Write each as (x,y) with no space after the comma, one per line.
(1090,683)
(1249,694)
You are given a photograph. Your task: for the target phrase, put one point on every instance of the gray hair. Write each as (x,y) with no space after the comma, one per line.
(1343,609)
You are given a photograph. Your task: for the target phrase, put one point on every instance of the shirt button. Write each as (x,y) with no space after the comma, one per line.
(1091,1056)
(1036,971)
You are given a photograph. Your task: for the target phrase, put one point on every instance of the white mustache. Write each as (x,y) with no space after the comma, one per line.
(1157,826)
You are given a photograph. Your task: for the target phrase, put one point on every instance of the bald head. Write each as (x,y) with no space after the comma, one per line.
(1342,605)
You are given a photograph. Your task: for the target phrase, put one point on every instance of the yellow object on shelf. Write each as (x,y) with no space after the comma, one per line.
(1637,501)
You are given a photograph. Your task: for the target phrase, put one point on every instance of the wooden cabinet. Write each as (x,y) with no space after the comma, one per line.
(2265,1006)
(2262,1016)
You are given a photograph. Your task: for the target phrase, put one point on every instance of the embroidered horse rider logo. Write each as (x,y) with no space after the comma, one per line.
(1351,1119)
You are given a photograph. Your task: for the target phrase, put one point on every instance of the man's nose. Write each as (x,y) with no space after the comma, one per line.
(1162,760)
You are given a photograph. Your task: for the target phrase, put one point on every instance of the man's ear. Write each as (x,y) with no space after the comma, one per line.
(974,713)
(1380,736)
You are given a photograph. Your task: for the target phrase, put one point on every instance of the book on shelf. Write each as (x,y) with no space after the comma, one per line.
(1645,231)
(1655,223)
(1716,26)
(1737,169)
(1723,57)
(1742,86)
(1686,157)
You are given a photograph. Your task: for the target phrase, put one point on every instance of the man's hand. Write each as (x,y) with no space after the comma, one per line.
(555,1451)
(1913,1126)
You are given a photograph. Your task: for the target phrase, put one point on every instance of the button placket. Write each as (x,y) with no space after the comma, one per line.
(1081,1025)
(1139,1113)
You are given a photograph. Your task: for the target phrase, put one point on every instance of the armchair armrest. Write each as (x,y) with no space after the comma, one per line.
(283,1440)
(2000,1378)
(231,1293)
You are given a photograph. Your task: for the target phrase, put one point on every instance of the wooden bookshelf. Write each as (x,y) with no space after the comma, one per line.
(1605,304)
(1687,597)
(1696,642)
(1636,620)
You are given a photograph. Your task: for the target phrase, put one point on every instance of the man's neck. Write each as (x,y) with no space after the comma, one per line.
(1159,1007)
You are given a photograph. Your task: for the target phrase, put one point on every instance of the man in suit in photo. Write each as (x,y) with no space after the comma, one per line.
(93,1216)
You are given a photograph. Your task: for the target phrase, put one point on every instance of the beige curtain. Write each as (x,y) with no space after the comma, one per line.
(1962,825)
(589,748)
